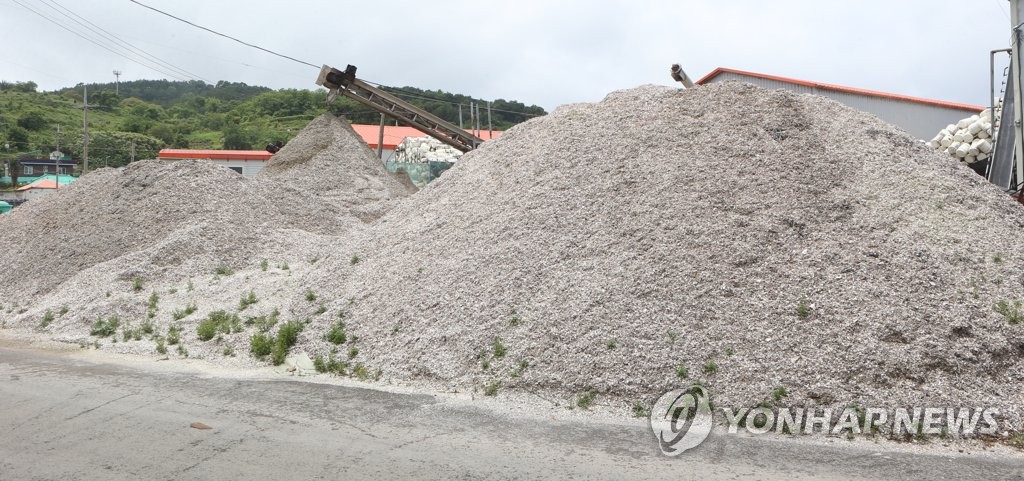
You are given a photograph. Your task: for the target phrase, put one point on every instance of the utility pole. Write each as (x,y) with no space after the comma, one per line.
(1016,17)
(56,168)
(460,116)
(85,130)
(133,151)
(117,81)
(490,129)
(380,139)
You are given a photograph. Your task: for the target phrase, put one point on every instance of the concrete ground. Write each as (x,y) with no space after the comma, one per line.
(69,417)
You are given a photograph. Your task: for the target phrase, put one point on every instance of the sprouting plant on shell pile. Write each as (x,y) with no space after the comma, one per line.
(223,271)
(247,300)
(1012,312)
(585,399)
(499,348)
(803,309)
(710,367)
(491,389)
(778,393)
(218,321)
(47,318)
(105,327)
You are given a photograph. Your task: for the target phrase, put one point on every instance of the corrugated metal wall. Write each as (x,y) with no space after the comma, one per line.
(920,120)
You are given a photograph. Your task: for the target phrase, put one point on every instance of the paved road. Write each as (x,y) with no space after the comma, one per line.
(64,417)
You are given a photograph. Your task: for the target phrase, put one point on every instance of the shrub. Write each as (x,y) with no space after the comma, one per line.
(319,364)
(266,323)
(223,271)
(160,346)
(355,259)
(287,336)
(146,327)
(335,365)
(153,300)
(206,330)
(260,345)
(682,372)
(218,321)
(278,354)
(229,351)
(360,372)
(137,284)
(310,295)
(105,327)
(336,335)
(288,333)
(173,335)
(353,352)
(63,310)
(128,334)
(179,315)
(264,264)
(611,344)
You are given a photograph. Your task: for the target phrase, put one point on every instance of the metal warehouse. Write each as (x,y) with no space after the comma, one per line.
(920,117)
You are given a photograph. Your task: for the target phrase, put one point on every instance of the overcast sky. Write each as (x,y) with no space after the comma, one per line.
(538,52)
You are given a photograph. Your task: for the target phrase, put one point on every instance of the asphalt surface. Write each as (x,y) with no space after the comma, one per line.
(67,417)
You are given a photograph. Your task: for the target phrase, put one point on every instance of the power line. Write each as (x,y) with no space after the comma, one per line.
(224,35)
(406,94)
(117,40)
(95,42)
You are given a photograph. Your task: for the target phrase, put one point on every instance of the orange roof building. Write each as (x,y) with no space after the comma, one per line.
(920,117)
(250,162)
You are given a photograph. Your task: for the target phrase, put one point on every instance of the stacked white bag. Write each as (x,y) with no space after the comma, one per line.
(970,139)
(425,149)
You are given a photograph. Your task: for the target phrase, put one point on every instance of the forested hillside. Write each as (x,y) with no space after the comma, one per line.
(153,114)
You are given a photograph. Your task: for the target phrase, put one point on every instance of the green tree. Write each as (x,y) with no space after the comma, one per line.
(237,137)
(32,120)
(104,98)
(116,147)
